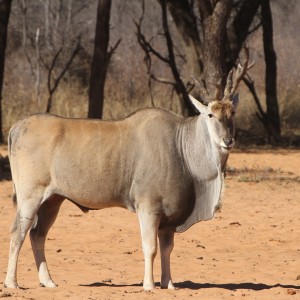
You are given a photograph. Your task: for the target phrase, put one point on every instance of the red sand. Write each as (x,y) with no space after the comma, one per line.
(251,250)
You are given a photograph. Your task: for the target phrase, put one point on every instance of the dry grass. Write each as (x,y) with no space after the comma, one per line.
(123,96)
(256,174)
(71,100)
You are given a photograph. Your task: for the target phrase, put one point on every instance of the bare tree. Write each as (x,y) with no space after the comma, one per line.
(62,44)
(52,83)
(213,34)
(269,118)
(101,60)
(214,16)
(205,52)
(5,6)
(170,59)
(213,47)
(245,22)
(51,43)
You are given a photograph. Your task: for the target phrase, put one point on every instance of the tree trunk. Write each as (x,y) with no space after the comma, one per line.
(100,60)
(214,16)
(185,21)
(273,117)
(5,6)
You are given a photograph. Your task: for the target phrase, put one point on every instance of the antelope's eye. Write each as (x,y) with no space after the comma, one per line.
(210,115)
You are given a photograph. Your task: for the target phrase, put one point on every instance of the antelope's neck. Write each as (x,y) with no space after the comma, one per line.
(203,157)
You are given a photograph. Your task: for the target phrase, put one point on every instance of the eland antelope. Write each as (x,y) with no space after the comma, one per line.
(166,168)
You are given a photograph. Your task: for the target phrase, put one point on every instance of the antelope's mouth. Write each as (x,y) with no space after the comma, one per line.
(227,147)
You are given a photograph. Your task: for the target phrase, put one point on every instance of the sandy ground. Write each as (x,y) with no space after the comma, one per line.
(250,250)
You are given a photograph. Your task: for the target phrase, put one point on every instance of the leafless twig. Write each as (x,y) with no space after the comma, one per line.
(170,60)
(52,88)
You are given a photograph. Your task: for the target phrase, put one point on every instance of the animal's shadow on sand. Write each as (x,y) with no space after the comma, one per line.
(234,286)
(102,284)
(197,286)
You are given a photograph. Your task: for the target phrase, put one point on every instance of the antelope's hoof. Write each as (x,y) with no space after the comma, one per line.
(48,284)
(148,286)
(10,285)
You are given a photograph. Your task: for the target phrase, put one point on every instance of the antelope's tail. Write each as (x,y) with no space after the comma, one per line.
(14,195)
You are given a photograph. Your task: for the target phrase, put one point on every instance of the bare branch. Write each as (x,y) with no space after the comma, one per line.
(67,65)
(241,71)
(51,69)
(76,12)
(112,50)
(179,87)
(162,80)
(170,60)
(146,46)
(52,89)
(150,90)
(250,84)
(256,27)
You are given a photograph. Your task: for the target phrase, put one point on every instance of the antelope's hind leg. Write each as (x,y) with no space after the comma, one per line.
(46,217)
(24,218)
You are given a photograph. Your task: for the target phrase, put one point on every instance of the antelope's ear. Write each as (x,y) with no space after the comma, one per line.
(203,109)
(235,101)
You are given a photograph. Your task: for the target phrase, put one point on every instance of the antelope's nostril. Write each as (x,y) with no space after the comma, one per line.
(227,141)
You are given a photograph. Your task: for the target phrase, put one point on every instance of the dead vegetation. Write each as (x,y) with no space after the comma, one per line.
(256,174)
(127,82)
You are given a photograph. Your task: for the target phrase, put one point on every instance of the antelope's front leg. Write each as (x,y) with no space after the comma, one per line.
(166,242)
(149,226)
